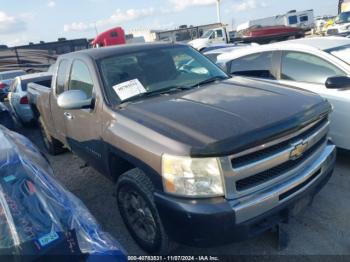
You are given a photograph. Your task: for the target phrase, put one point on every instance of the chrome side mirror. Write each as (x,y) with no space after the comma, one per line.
(74,99)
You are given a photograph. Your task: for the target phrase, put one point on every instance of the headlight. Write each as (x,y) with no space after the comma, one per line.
(187,176)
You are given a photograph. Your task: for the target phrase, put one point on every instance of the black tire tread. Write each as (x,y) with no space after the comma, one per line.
(143,183)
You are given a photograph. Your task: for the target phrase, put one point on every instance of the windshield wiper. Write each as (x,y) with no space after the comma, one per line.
(210,80)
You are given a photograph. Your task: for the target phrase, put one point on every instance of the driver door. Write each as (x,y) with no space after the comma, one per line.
(84,126)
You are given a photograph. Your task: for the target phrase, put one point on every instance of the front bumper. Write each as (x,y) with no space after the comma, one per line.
(216,221)
(24,113)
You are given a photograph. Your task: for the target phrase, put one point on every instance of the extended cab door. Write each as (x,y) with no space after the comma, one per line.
(60,85)
(83,126)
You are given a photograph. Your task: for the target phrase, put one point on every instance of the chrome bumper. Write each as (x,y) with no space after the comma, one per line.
(260,202)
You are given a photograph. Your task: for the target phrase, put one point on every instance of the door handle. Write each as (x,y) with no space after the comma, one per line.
(68,115)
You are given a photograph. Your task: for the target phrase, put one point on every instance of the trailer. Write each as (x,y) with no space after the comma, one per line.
(301,19)
(38,57)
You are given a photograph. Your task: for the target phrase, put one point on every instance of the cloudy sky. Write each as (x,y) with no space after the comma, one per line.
(34,20)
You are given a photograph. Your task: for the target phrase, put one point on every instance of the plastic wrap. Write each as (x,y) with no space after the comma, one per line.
(37,215)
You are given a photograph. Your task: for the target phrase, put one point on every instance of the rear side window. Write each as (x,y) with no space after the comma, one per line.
(114,34)
(304,18)
(80,78)
(303,67)
(256,65)
(61,76)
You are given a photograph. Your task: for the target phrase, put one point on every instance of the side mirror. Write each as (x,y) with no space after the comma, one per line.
(74,99)
(338,82)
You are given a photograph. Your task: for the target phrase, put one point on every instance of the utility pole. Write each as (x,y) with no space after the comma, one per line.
(218,11)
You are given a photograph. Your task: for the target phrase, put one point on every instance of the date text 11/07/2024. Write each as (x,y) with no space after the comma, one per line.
(173,258)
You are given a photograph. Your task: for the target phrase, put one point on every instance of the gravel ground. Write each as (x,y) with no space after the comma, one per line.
(322,229)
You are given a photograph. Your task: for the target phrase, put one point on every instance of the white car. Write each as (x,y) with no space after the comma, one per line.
(17,96)
(6,79)
(214,53)
(320,65)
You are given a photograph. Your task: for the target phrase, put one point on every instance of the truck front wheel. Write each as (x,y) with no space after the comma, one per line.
(136,205)
(53,146)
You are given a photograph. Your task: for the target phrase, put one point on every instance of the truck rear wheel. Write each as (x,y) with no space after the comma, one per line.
(136,205)
(52,145)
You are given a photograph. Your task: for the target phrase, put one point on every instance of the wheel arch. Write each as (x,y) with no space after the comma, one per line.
(121,162)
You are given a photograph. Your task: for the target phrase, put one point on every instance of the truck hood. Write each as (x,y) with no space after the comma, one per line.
(198,42)
(227,117)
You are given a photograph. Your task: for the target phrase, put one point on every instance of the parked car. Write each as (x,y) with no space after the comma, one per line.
(224,46)
(5,117)
(320,65)
(38,217)
(6,79)
(213,53)
(198,158)
(17,96)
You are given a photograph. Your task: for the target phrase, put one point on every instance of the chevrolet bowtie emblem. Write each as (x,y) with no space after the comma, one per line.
(298,150)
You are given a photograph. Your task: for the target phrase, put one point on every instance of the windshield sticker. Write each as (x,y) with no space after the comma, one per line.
(129,89)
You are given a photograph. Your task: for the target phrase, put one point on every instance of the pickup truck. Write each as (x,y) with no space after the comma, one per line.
(211,37)
(198,157)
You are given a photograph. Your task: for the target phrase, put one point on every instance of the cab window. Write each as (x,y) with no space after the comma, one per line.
(80,78)
(219,33)
(61,76)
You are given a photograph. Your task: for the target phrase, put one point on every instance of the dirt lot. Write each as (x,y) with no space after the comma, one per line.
(322,229)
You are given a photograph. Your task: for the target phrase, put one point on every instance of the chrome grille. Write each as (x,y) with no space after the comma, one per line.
(278,170)
(267,162)
(332,31)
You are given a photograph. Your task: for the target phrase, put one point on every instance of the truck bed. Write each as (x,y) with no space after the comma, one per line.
(35,90)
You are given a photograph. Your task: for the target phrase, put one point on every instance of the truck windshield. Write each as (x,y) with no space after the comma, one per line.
(341,52)
(343,18)
(207,34)
(158,69)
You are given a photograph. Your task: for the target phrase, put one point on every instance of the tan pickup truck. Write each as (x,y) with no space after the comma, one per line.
(198,157)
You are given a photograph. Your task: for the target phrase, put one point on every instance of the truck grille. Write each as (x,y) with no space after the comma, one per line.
(332,31)
(278,170)
(273,160)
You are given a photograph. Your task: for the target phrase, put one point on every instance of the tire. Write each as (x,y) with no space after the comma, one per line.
(134,192)
(52,145)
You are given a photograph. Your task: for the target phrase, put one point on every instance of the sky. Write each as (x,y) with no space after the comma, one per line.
(24,21)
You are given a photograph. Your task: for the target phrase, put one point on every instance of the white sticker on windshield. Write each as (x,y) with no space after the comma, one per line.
(129,89)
